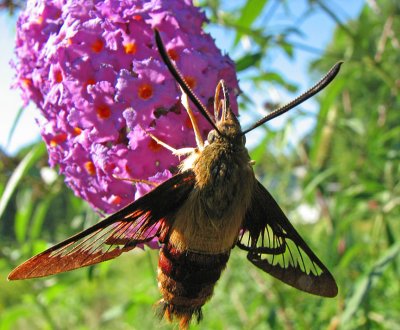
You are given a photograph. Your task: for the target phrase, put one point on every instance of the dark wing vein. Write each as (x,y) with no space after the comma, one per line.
(284,254)
(139,222)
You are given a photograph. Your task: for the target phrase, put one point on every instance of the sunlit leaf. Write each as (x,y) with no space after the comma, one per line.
(14,125)
(247,61)
(367,282)
(326,123)
(23,214)
(249,13)
(39,215)
(276,78)
(29,160)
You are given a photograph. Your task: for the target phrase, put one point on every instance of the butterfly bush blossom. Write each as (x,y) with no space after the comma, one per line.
(93,70)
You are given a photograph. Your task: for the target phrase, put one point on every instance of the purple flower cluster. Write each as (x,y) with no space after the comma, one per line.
(93,70)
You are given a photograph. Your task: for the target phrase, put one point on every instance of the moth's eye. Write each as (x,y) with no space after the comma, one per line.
(211,136)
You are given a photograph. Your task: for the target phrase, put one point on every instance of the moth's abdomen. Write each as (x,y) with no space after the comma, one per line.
(186,281)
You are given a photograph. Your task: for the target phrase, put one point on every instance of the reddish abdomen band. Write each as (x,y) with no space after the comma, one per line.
(186,280)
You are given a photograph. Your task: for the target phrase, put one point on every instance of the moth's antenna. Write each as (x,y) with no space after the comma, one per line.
(181,81)
(325,81)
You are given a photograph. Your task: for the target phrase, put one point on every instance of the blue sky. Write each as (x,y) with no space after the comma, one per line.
(318,29)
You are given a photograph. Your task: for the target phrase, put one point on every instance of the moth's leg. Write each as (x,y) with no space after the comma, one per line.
(148,182)
(185,103)
(177,152)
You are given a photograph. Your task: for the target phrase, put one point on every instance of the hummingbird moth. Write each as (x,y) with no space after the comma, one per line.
(213,204)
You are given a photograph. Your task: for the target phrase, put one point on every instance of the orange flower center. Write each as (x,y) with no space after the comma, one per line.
(97,46)
(58,139)
(116,200)
(58,76)
(39,20)
(190,81)
(154,146)
(90,81)
(130,48)
(103,111)
(173,54)
(26,82)
(128,169)
(145,91)
(89,167)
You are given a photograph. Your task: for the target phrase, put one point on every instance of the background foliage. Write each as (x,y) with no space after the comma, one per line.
(346,169)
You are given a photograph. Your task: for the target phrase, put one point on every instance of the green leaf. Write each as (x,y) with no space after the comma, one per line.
(363,286)
(39,215)
(326,123)
(23,214)
(318,179)
(355,125)
(11,315)
(249,13)
(247,61)
(23,167)
(14,125)
(287,48)
(251,10)
(276,78)
(258,152)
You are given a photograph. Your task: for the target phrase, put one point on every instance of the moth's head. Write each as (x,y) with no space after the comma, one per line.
(228,125)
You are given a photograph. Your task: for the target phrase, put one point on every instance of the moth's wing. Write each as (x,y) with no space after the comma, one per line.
(137,223)
(274,246)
